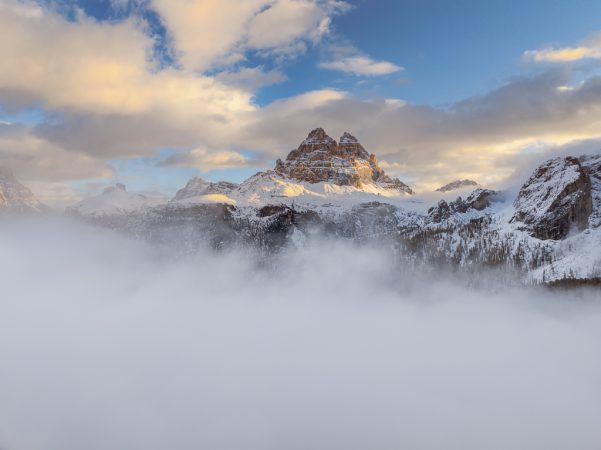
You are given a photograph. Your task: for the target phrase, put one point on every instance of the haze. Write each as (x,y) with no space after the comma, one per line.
(107,343)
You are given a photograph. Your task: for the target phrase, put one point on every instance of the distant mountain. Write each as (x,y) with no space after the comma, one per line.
(15,197)
(458,184)
(199,190)
(115,200)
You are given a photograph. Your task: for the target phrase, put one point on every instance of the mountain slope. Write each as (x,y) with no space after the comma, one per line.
(114,200)
(16,197)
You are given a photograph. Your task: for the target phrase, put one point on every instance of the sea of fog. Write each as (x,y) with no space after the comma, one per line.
(107,343)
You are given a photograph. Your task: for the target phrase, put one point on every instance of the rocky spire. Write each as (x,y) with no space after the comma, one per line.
(319,158)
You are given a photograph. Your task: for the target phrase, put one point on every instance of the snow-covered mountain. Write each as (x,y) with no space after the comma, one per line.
(115,200)
(551,231)
(15,197)
(458,184)
(199,190)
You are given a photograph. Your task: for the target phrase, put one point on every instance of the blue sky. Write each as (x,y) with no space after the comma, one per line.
(151,92)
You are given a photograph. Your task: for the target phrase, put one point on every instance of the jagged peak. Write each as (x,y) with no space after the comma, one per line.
(348,138)
(320,159)
(318,135)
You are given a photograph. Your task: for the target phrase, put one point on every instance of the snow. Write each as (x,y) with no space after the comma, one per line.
(206,199)
(116,200)
(272,188)
(578,256)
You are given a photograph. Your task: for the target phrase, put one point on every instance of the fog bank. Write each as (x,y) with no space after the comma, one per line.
(105,344)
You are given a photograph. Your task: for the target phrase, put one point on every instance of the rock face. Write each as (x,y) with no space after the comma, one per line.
(458,184)
(478,200)
(320,159)
(16,197)
(555,199)
(197,187)
(592,166)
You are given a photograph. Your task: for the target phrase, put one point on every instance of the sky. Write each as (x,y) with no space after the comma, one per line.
(152,92)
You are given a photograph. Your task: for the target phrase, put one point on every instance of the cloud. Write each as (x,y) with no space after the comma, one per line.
(285,21)
(469,139)
(205,31)
(561,55)
(99,67)
(206,160)
(115,345)
(590,49)
(209,33)
(251,78)
(35,159)
(361,66)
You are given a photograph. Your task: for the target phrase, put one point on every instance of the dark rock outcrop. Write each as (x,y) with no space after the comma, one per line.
(555,199)
(478,200)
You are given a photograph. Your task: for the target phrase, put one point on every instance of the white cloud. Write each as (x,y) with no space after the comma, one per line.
(210,33)
(206,159)
(285,21)
(361,66)
(590,48)
(98,67)
(34,158)
(251,78)
(561,55)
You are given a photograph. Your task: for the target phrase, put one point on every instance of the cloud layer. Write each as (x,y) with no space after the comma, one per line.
(115,346)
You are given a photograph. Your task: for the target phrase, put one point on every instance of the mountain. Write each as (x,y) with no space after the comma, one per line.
(199,190)
(319,159)
(15,197)
(458,184)
(549,233)
(115,200)
(198,187)
(555,200)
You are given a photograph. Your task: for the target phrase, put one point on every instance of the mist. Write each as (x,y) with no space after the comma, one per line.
(107,343)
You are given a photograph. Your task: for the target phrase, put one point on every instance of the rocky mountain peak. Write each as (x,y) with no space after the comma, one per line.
(556,198)
(15,196)
(319,158)
(348,138)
